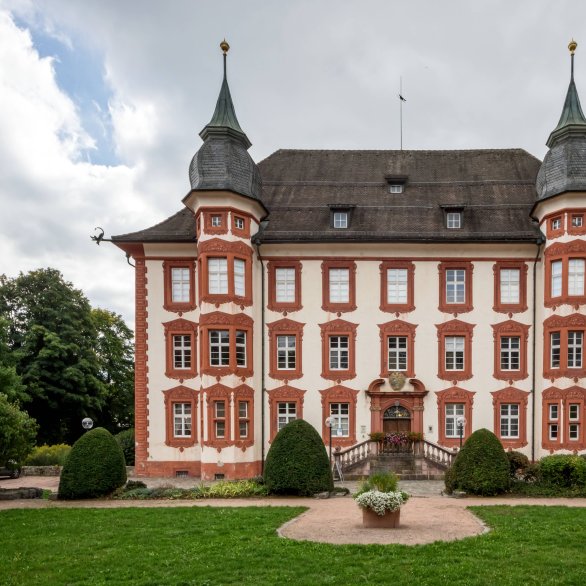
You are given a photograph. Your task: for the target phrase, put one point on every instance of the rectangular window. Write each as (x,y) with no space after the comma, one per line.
(239,223)
(556,224)
(455,286)
(454,220)
(510,352)
(285,281)
(240,348)
(180,281)
(396,188)
(218,275)
(340,219)
(510,279)
(286,352)
(339,352)
(554,338)
(396,285)
(243,422)
(510,420)
(553,412)
(454,352)
(574,431)
(341,419)
(220,419)
(216,221)
(239,269)
(219,348)
(553,431)
(339,285)
(576,276)
(556,278)
(397,353)
(287,412)
(182,419)
(577,221)
(453,411)
(575,344)
(573,411)
(182,351)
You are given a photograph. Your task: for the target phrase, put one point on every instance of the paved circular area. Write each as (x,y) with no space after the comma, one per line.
(424,519)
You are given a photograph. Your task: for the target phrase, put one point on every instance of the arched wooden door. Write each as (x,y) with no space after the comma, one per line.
(397,419)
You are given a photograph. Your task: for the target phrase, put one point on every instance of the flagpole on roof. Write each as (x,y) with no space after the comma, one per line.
(401,100)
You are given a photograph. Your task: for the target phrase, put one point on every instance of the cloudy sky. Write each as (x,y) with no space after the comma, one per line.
(101,101)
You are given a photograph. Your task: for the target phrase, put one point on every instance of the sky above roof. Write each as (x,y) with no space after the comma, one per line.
(101,101)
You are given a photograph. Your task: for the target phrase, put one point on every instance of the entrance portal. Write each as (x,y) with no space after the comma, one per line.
(397,419)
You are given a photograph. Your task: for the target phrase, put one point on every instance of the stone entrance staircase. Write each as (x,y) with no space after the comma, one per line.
(420,460)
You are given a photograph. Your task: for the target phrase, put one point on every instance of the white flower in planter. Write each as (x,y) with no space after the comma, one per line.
(381,502)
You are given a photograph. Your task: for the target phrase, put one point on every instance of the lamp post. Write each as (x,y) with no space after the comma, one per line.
(87,423)
(461,422)
(329,425)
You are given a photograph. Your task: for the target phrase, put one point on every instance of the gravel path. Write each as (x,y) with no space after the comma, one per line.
(424,519)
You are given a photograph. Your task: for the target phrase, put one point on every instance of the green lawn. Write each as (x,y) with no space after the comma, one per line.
(180,546)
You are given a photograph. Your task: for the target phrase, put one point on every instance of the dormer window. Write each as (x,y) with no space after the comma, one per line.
(340,219)
(454,220)
(395,188)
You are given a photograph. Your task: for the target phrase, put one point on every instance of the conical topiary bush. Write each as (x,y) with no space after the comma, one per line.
(95,466)
(297,462)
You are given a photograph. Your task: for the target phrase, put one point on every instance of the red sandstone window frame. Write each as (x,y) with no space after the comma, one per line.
(243,232)
(338,327)
(216,248)
(208,214)
(455,308)
(168,266)
(563,252)
(552,232)
(511,396)
(400,328)
(180,327)
(285,327)
(180,394)
(563,325)
(455,327)
(409,305)
(576,230)
(243,393)
(498,305)
(448,396)
(563,398)
(218,320)
(283,306)
(334,307)
(339,394)
(283,394)
(213,394)
(505,329)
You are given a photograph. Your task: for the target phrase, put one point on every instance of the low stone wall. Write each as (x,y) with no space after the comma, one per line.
(12,494)
(40,471)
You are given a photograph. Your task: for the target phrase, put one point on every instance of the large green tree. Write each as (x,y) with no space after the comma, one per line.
(59,352)
(115,352)
(10,383)
(17,432)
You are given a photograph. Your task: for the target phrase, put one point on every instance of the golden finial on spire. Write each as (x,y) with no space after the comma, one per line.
(224,46)
(572,46)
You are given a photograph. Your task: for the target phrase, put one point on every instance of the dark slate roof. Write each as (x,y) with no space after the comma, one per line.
(564,165)
(180,227)
(494,188)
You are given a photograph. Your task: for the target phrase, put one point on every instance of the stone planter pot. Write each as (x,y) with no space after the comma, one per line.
(390,520)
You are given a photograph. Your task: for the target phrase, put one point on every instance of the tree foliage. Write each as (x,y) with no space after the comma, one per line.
(94,467)
(17,432)
(297,462)
(65,354)
(481,467)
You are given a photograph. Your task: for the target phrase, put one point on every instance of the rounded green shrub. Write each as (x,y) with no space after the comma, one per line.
(518,464)
(481,467)
(125,440)
(297,462)
(45,455)
(95,466)
(564,471)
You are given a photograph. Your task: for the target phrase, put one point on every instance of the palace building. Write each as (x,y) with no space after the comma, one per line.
(391,290)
